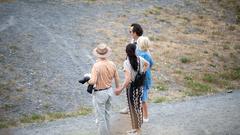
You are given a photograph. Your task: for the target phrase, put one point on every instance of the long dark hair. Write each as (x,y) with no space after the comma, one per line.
(130,50)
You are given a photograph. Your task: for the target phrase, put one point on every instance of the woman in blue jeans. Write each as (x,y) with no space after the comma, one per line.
(143,51)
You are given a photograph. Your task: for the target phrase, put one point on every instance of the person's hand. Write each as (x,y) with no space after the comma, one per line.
(117,91)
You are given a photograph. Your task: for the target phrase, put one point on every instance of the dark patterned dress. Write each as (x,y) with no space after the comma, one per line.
(134,95)
(135,105)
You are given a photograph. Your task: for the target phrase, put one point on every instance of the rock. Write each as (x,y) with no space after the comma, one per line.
(229,91)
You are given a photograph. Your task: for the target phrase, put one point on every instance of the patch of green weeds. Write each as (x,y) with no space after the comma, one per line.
(185,59)
(160,99)
(46,105)
(90,1)
(161,86)
(231,28)
(232,5)
(178,72)
(5,123)
(8,106)
(154,38)
(1,57)
(211,78)
(215,54)
(196,88)
(7,1)
(32,118)
(47,92)
(237,47)
(233,74)
(54,116)
(237,14)
(156,10)
(13,48)
(188,78)
(212,65)
(233,56)
(216,33)
(226,47)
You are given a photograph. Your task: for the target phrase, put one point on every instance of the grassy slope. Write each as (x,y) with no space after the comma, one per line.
(195,53)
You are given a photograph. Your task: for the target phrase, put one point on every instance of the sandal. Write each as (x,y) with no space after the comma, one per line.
(132,132)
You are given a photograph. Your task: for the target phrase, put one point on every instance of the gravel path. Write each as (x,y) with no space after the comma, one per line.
(207,115)
(45,47)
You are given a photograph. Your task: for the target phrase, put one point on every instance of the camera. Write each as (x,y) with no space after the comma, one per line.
(84,80)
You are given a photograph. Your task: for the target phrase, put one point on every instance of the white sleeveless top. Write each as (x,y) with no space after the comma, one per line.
(127,67)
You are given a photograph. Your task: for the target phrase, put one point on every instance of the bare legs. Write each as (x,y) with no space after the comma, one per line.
(145,111)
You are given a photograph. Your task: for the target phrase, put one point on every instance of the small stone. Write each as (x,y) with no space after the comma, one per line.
(229,91)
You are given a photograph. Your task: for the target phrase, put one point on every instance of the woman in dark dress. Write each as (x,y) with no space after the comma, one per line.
(131,65)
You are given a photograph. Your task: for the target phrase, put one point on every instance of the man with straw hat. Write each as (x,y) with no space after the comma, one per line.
(103,73)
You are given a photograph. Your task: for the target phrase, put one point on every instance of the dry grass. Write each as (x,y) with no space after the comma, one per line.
(54,116)
(214,49)
(5,1)
(160,99)
(35,118)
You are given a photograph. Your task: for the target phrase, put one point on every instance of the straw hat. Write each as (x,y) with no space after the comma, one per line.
(102,51)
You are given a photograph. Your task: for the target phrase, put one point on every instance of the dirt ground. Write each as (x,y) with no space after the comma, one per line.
(46,47)
(207,115)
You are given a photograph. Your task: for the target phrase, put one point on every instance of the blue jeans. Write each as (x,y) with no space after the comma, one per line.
(144,97)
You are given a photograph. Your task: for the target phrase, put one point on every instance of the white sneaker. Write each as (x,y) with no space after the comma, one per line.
(145,120)
(124,110)
(96,121)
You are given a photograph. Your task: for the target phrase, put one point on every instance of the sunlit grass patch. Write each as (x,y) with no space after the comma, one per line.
(214,78)
(160,86)
(160,99)
(156,10)
(4,123)
(178,72)
(197,88)
(32,118)
(233,74)
(54,116)
(5,1)
(154,38)
(211,78)
(89,1)
(222,80)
